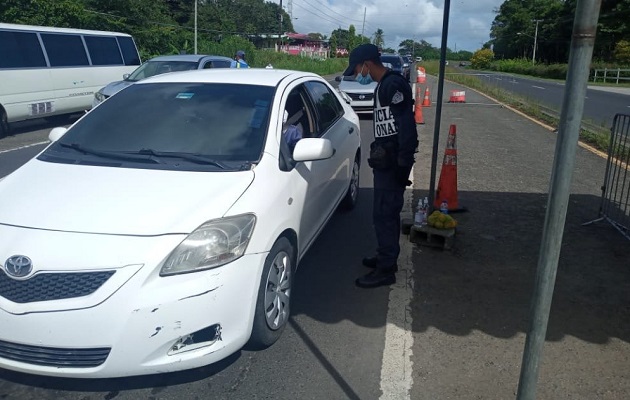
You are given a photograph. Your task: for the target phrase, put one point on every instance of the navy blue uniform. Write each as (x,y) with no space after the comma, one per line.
(391,157)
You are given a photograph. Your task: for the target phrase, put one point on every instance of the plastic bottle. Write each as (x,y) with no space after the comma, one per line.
(444,207)
(417,219)
(425,210)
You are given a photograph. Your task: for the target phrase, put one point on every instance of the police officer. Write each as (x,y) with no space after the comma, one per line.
(239,60)
(391,158)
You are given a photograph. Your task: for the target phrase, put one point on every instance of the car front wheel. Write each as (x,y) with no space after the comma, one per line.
(274,295)
(350,199)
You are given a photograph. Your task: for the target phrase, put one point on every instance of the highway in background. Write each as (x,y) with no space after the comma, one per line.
(600,107)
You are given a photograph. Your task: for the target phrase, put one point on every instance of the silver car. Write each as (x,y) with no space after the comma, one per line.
(160,65)
(361,96)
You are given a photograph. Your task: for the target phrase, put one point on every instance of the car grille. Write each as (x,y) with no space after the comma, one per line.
(54,356)
(47,286)
(366,96)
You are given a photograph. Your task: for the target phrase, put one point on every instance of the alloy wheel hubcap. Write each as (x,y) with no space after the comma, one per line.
(277,294)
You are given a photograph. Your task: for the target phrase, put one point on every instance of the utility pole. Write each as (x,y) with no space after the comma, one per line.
(196,26)
(363,27)
(535,41)
(280,30)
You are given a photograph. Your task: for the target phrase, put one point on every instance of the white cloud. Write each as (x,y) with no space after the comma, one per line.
(469,22)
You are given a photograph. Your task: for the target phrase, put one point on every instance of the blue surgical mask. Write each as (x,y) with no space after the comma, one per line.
(364,80)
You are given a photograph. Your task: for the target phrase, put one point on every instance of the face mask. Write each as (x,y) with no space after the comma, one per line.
(364,80)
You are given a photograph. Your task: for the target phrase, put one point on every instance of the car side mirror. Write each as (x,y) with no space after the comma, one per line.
(338,78)
(125,77)
(313,149)
(56,133)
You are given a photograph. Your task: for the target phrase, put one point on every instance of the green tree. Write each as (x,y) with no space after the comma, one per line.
(622,52)
(482,58)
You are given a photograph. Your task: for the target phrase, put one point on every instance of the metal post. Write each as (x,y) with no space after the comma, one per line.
(196,26)
(535,43)
(583,39)
(438,107)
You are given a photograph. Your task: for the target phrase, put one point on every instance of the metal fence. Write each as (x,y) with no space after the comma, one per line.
(612,75)
(615,202)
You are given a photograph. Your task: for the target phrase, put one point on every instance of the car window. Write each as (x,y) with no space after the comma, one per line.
(326,104)
(393,60)
(151,68)
(226,122)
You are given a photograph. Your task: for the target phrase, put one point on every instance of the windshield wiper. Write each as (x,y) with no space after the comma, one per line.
(196,158)
(109,154)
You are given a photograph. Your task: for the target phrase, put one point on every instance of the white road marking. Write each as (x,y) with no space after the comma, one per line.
(396,369)
(24,147)
(538,87)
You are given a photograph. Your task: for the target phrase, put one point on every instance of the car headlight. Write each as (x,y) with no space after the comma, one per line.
(99,96)
(213,244)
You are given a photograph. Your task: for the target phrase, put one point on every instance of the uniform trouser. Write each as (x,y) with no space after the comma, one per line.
(388,204)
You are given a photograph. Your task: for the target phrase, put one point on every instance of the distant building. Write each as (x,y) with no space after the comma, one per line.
(302,45)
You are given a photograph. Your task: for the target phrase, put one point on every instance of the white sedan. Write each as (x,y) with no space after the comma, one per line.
(162,230)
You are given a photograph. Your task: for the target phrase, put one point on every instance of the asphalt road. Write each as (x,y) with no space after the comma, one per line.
(600,105)
(331,349)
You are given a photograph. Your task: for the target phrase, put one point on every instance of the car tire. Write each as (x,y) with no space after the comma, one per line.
(349,201)
(4,124)
(274,294)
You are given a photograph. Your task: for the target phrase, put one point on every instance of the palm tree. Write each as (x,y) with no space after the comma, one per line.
(379,41)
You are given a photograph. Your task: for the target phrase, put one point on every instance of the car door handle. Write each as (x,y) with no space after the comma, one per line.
(351,130)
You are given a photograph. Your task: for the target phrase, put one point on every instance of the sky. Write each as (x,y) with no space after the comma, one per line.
(469,22)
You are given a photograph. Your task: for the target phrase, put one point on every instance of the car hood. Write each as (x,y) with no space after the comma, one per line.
(106,200)
(115,87)
(356,87)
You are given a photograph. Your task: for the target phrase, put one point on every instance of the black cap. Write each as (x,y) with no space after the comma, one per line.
(361,54)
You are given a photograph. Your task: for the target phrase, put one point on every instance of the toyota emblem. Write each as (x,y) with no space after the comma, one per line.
(361,97)
(18,266)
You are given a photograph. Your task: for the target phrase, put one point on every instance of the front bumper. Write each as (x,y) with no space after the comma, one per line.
(141,324)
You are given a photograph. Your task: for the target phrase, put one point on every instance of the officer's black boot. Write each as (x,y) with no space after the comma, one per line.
(370,262)
(376,278)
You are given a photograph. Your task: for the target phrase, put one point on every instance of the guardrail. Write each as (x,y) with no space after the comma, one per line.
(612,75)
(615,202)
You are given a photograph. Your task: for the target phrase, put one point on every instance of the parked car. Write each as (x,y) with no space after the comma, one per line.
(161,65)
(361,96)
(175,216)
(397,64)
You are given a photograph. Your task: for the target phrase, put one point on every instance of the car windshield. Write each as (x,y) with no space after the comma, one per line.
(191,126)
(151,68)
(393,60)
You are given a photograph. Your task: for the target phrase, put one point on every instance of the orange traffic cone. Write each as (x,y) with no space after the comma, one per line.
(427,99)
(447,186)
(418,108)
(421,75)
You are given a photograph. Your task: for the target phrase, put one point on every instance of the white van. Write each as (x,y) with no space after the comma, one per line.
(46,72)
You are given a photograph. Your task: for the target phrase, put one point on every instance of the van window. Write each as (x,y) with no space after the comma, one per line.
(103,50)
(64,50)
(129,51)
(20,50)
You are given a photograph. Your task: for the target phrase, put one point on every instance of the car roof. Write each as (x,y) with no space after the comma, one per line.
(249,76)
(189,57)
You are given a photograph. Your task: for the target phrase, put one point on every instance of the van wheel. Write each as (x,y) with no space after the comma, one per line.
(274,296)
(4,124)
(350,199)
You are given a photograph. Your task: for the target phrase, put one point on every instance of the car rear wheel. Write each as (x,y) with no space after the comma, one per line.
(274,295)
(352,195)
